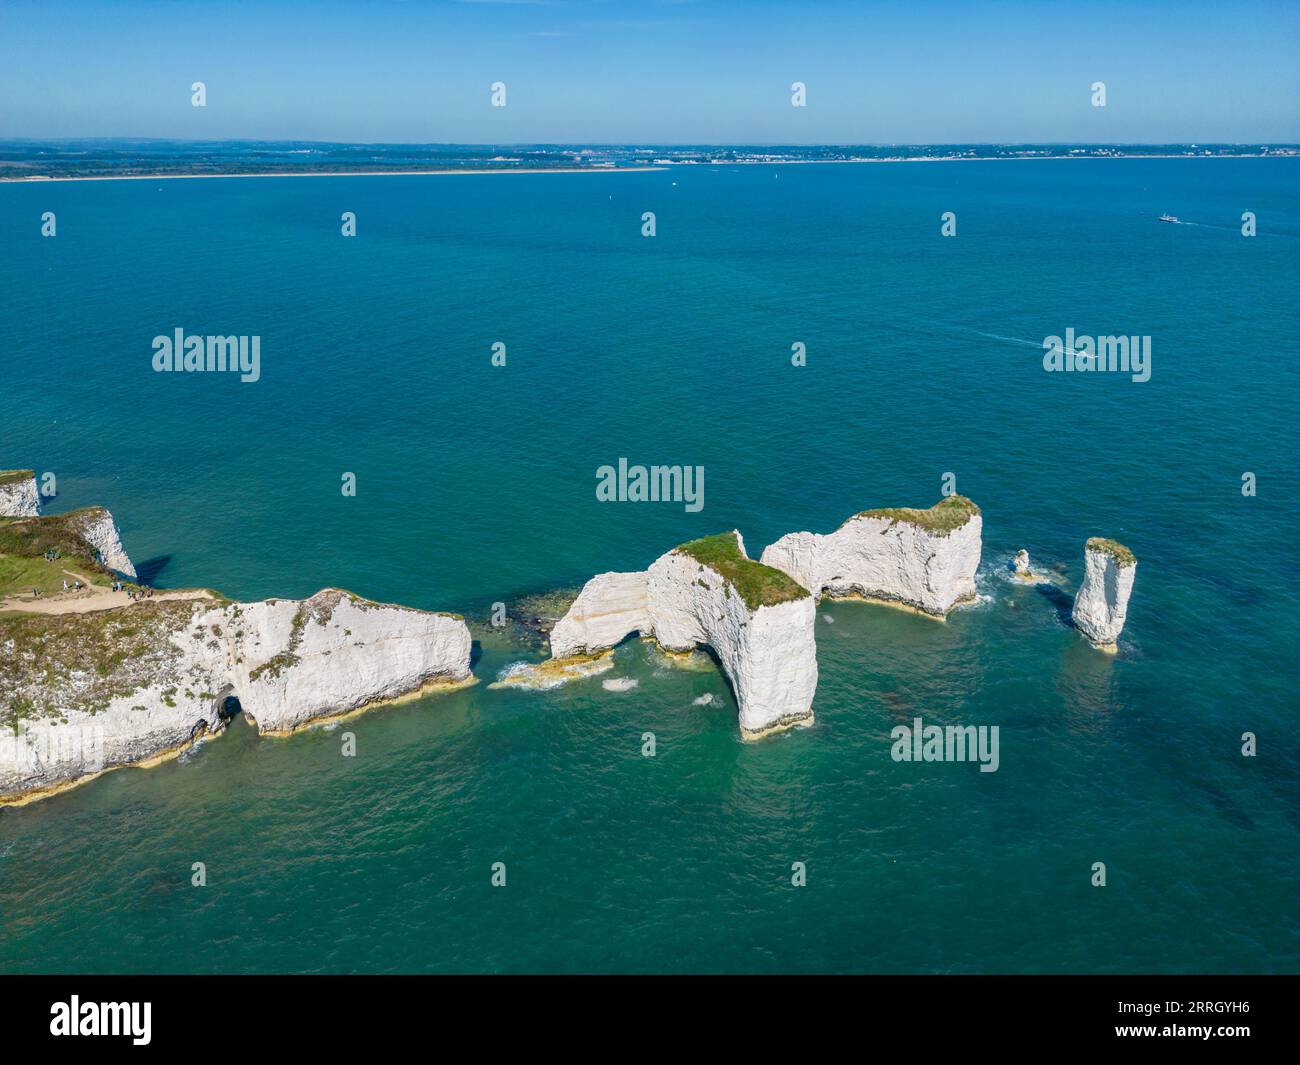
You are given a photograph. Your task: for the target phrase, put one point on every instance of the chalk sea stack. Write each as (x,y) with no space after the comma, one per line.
(1101,605)
(925,559)
(708,592)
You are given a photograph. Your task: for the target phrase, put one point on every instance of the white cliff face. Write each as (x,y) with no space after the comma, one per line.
(334,653)
(19,497)
(769,653)
(609,607)
(97,527)
(1101,605)
(922,558)
(758,623)
(170,666)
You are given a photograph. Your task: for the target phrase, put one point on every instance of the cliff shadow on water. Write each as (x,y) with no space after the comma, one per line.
(151,569)
(1061,601)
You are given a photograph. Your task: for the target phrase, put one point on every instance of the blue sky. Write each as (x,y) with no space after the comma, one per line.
(670,71)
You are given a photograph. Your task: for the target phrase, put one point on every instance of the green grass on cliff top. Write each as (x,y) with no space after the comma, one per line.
(23,543)
(1121,554)
(114,652)
(947,515)
(9,476)
(756,584)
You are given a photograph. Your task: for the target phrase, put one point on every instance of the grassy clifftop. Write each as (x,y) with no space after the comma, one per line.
(1121,554)
(756,584)
(11,476)
(947,515)
(24,541)
(54,662)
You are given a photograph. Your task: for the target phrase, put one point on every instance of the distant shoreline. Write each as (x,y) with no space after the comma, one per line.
(43,178)
(443,171)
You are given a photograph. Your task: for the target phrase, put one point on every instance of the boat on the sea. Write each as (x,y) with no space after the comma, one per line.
(1169,218)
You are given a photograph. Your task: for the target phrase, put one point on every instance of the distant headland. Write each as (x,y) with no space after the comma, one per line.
(102,159)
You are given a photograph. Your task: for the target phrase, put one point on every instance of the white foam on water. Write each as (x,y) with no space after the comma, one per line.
(544,676)
(190,752)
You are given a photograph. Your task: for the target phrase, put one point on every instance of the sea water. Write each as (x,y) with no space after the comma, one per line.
(475,484)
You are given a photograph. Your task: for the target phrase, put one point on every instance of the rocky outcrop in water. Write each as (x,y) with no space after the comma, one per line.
(93,691)
(19,497)
(925,559)
(1101,605)
(757,620)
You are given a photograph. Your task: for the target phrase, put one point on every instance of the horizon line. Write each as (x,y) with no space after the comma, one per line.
(661,144)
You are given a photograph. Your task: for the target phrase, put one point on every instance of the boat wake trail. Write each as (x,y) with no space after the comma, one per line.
(1232,229)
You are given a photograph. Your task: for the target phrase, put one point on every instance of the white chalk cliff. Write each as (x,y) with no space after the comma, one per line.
(18,495)
(921,558)
(610,606)
(95,691)
(1101,605)
(96,526)
(708,592)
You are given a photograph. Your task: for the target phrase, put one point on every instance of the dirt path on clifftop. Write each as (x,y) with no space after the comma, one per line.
(91,598)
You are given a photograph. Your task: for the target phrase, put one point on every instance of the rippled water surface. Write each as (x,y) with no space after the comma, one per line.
(476,485)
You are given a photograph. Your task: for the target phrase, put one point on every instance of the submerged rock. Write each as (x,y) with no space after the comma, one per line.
(1101,605)
(94,691)
(920,558)
(696,661)
(531,617)
(543,676)
(757,620)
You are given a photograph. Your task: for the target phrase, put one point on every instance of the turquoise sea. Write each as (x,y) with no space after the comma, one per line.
(475,484)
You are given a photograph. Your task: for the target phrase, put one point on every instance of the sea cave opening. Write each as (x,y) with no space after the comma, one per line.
(227,703)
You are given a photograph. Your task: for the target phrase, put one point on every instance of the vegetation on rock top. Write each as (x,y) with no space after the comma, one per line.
(756,584)
(1121,554)
(55,662)
(24,542)
(947,515)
